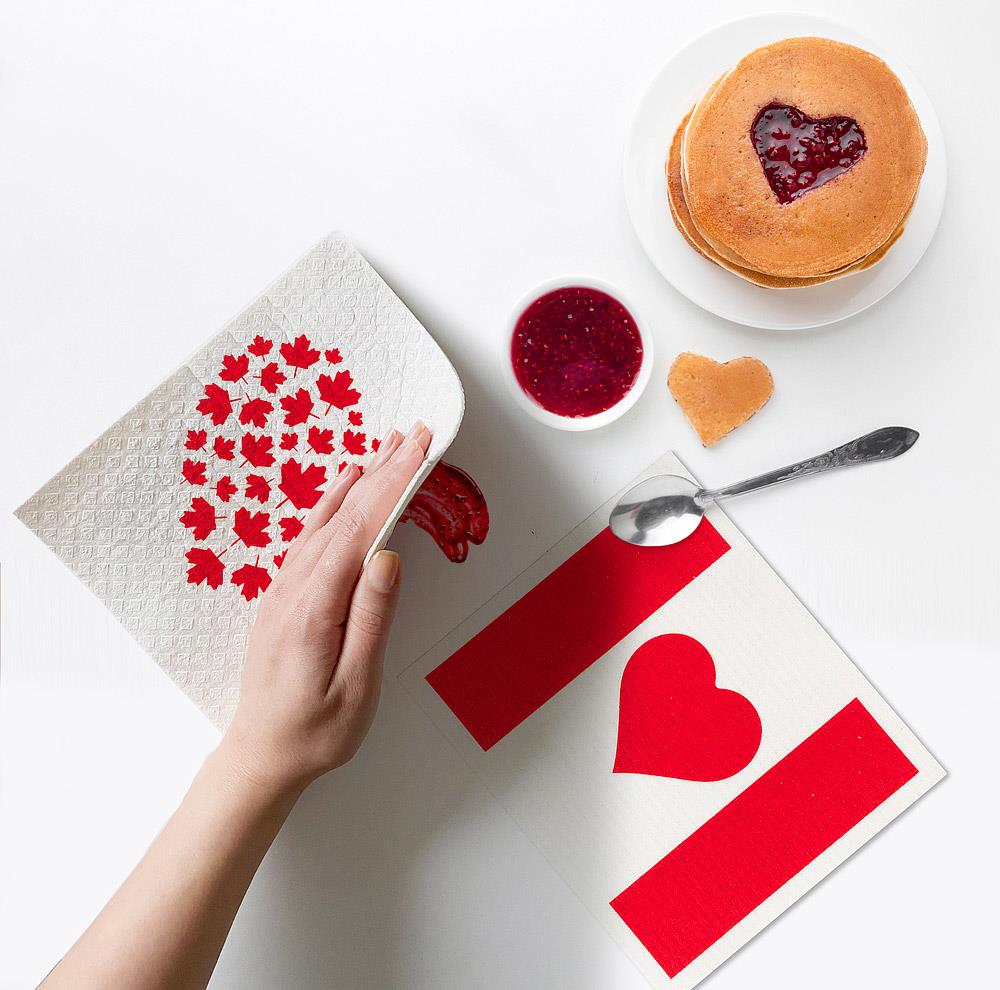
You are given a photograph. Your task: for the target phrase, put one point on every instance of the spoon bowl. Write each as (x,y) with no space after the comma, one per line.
(658,512)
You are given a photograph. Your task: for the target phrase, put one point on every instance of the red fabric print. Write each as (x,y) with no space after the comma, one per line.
(224,448)
(193,471)
(258,488)
(200,518)
(196,439)
(217,404)
(260,347)
(321,441)
(251,528)
(354,443)
(302,486)
(271,376)
(225,489)
(290,528)
(299,354)
(205,566)
(337,391)
(234,368)
(673,719)
(321,403)
(375,444)
(256,411)
(256,451)
(298,407)
(252,580)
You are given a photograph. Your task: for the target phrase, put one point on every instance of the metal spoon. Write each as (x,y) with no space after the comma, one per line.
(666,509)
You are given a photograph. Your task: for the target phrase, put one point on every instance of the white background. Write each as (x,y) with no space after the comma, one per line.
(160,163)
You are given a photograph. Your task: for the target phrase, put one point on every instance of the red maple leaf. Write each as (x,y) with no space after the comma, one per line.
(200,517)
(257,450)
(260,346)
(193,471)
(196,439)
(354,443)
(256,411)
(251,528)
(337,391)
(271,377)
(290,528)
(333,356)
(252,580)
(354,417)
(341,466)
(225,489)
(224,448)
(280,559)
(217,403)
(298,407)
(289,441)
(258,488)
(321,440)
(299,354)
(234,367)
(302,486)
(205,566)
(375,442)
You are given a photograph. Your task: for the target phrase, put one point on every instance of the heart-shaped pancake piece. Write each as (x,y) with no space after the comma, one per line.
(674,722)
(799,153)
(716,398)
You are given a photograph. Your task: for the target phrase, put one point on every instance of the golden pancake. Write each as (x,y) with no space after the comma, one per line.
(684,223)
(803,161)
(716,398)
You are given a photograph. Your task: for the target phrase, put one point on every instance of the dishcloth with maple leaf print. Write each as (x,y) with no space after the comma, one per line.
(251,461)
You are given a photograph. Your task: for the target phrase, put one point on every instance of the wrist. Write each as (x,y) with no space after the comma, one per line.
(246,768)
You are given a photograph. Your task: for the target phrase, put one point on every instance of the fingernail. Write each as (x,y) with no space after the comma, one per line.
(386,448)
(383,571)
(415,430)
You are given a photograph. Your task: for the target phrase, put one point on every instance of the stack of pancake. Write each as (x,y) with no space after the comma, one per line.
(799,165)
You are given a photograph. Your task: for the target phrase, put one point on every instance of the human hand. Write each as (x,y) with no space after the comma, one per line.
(314,661)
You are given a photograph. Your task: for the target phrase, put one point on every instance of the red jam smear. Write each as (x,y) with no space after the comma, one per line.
(799,152)
(576,351)
(450,506)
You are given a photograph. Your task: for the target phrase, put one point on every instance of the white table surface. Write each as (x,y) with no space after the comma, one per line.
(160,163)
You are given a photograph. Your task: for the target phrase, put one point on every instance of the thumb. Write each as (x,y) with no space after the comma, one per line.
(369,620)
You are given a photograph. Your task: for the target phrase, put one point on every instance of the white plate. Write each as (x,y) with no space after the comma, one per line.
(679,85)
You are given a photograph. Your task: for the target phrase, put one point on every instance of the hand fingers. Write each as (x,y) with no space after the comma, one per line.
(370,617)
(310,553)
(353,529)
(329,503)
(333,498)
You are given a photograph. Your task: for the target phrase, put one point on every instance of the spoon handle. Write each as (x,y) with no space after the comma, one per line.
(880,445)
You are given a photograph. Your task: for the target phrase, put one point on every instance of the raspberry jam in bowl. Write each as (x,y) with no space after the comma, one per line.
(578,358)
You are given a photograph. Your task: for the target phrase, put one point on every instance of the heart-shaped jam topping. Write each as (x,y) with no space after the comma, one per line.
(799,152)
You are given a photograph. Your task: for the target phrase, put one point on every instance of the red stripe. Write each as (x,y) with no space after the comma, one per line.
(558,629)
(763,837)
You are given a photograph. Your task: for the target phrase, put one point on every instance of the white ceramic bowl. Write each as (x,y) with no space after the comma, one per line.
(576,423)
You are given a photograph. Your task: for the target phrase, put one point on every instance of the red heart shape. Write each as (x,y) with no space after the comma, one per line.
(799,152)
(674,722)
